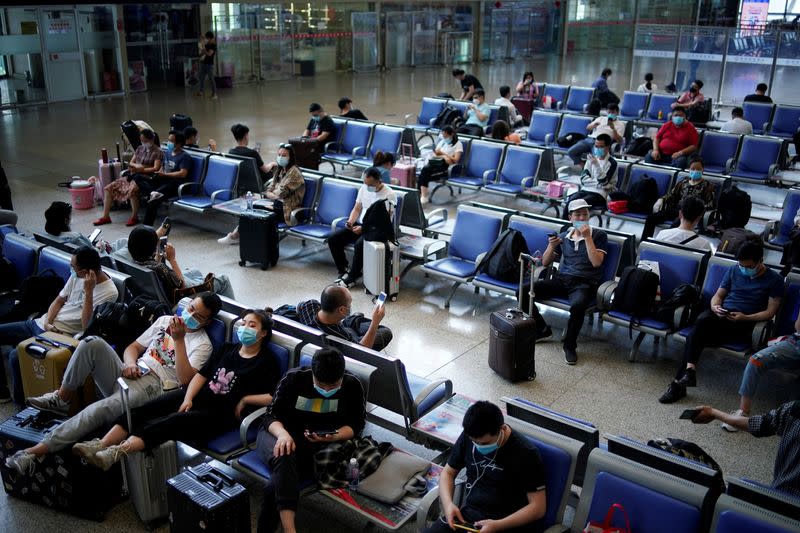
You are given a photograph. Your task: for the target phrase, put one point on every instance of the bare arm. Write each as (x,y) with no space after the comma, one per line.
(767,314)
(151,170)
(52,311)
(596,257)
(355,213)
(132,353)
(194,387)
(708,414)
(718,298)
(550,254)
(534,510)
(369,337)
(447,487)
(323,136)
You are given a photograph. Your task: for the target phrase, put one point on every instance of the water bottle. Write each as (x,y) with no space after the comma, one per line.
(249,198)
(353,473)
(660,114)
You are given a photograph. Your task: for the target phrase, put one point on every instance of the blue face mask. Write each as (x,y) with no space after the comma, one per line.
(316,118)
(170,146)
(386,175)
(750,272)
(695,175)
(598,152)
(486,449)
(678,120)
(371,188)
(247,335)
(326,393)
(190,321)
(612,116)
(282,161)
(578,224)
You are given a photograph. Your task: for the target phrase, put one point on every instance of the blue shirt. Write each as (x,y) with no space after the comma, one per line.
(472,117)
(600,84)
(750,295)
(574,259)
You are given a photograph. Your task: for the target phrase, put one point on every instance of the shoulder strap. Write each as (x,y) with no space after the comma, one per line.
(689,239)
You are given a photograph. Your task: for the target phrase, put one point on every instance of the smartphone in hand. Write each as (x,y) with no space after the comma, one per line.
(381,299)
(162,245)
(689,414)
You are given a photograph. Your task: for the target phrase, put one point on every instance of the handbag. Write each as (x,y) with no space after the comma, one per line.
(206,286)
(399,473)
(605,526)
(618,206)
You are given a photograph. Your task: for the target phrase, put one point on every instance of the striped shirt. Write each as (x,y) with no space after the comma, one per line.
(783,421)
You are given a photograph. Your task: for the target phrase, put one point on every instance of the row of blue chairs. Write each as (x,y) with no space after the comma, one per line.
(432,106)
(778,120)
(355,142)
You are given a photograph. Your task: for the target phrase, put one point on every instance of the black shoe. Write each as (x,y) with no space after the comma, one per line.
(545,333)
(674,392)
(689,378)
(346,281)
(570,355)
(5,395)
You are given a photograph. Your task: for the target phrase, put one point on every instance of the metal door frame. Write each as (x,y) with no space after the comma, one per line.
(45,53)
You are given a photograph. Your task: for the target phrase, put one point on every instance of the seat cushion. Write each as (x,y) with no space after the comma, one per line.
(229,441)
(361,162)
(466,180)
(734,522)
(416,384)
(489,280)
(648,322)
(714,169)
(452,266)
(736,345)
(532,142)
(780,240)
(507,188)
(339,158)
(316,231)
(196,202)
(253,462)
(749,175)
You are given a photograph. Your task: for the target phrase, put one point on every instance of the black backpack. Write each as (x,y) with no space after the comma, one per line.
(446,117)
(142,312)
(640,146)
(635,293)
(377,224)
(734,209)
(179,122)
(288,311)
(501,262)
(734,238)
(109,321)
(644,195)
(34,296)
(685,295)
(570,139)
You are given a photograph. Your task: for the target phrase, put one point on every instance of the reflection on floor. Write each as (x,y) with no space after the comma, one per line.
(41,146)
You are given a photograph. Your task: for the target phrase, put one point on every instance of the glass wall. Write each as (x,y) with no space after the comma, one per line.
(23,79)
(100,49)
(595,25)
(520,29)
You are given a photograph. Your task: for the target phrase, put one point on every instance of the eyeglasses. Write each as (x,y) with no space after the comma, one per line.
(286,146)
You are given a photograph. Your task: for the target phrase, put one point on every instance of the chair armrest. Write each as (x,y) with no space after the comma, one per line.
(426,250)
(408,116)
(432,121)
(244,427)
(455,170)
(527,181)
(773,169)
(548,138)
(559,104)
(293,217)
(439,211)
(769,230)
(729,165)
(424,509)
(585,108)
(487,174)
(358,150)
(221,191)
(183,186)
(335,222)
(479,258)
(764,127)
(330,145)
(432,386)
(761,333)
(604,294)
(640,113)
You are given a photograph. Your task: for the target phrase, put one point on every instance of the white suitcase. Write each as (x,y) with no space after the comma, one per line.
(381,269)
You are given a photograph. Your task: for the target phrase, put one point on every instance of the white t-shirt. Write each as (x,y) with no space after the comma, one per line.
(643,88)
(738,126)
(68,318)
(678,235)
(160,352)
(449,149)
(367,198)
(604,127)
(512,110)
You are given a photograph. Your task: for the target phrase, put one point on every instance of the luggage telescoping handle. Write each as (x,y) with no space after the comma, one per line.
(524,260)
(124,392)
(217,477)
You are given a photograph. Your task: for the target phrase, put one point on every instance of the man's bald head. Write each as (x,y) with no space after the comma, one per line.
(333,297)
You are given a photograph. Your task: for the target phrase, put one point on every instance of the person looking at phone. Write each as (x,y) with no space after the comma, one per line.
(580,251)
(321,127)
(477,115)
(174,171)
(165,356)
(505,488)
(599,176)
(604,125)
(749,293)
(322,398)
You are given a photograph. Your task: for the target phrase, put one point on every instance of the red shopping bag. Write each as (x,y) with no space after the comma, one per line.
(605,526)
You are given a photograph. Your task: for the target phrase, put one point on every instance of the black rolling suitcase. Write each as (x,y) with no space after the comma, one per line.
(258,240)
(203,498)
(178,122)
(307,152)
(131,132)
(60,480)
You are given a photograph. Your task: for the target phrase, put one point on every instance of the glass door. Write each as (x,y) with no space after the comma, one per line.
(63,60)
(22,78)
(365,41)
(235,47)
(424,38)
(521,33)
(500,29)
(398,34)
(100,49)
(275,43)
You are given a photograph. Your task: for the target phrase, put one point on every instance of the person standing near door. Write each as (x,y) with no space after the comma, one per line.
(207,56)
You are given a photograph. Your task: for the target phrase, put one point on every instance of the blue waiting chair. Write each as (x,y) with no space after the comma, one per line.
(664,176)
(302,213)
(759,115)
(496,112)
(543,128)
(578,100)
(339,124)
(336,200)
(385,139)
(480,167)
(662,103)
(633,105)
(559,93)
(199,162)
(758,160)
(23,253)
(785,122)
(719,150)
(354,142)
(518,172)
(732,515)
(572,124)
(218,185)
(474,232)
(56,260)
(790,303)
(428,111)
(776,232)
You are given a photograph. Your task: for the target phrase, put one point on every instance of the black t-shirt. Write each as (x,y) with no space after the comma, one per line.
(498,484)
(324,124)
(356,114)
(175,162)
(298,405)
(247,152)
(469,81)
(209,59)
(760,98)
(231,376)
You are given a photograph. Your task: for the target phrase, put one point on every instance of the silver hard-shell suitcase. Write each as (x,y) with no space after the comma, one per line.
(382,269)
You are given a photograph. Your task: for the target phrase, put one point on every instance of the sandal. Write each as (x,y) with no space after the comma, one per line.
(133,221)
(102,220)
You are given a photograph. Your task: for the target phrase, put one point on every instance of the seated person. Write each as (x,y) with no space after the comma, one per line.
(384,161)
(287,440)
(690,98)
(783,421)
(448,152)
(332,316)
(675,141)
(321,127)
(791,250)
(285,186)
(505,476)
(241,135)
(57,219)
(690,213)
(608,125)
(602,91)
(373,190)
(237,377)
(164,184)
(190,136)
(666,207)
(599,176)
(580,251)
(477,115)
(514,118)
(737,124)
(760,96)
(146,162)
(469,83)
(783,355)
(501,131)
(527,87)
(87,287)
(347,110)
(749,293)
(165,356)
(648,86)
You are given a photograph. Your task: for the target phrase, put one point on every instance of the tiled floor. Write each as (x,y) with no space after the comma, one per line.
(41,146)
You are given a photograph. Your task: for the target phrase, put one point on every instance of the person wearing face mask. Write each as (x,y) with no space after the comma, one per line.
(674,142)
(325,398)
(332,314)
(69,313)
(448,152)
(321,127)
(238,377)
(384,161)
(750,292)
(692,97)
(505,487)
(599,176)
(285,186)
(666,207)
(58,218)
(174,171)
(146,162)
(477,115)
(373,190)
(527,87)
(580,251)
(737,124)
(609,125)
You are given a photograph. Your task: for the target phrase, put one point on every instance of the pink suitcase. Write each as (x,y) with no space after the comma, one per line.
(108,172)
(404,172)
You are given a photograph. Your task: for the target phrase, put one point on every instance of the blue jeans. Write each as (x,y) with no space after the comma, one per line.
(12,334)
(577,150)
(667,160)
(784,354)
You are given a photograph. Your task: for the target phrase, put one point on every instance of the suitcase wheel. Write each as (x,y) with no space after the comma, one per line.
(393,298)
(264,267)
(242,263)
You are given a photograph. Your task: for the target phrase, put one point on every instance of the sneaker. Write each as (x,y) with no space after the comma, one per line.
(570,355)
(133,221)
(424,200)
(228,239)
(88,448)
(22,462)
(346,281)
(107,457)
(544,333)
(102,221)
(689,378)
(214,97)
(155,195)
(729,428)
(674,392)
(49,402)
